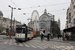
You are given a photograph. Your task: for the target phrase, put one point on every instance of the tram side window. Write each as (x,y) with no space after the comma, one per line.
(23,30)
(20,30)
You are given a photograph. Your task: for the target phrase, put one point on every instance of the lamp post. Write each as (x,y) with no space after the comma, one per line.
(53,26)
(31,21)
(12,15)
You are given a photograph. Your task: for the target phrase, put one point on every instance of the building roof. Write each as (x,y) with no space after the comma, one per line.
(1,14)
(45,13)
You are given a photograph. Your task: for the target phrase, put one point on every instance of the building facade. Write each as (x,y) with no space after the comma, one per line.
(70,19)
(45,21)
(34,25)
(70,22)
(6,22)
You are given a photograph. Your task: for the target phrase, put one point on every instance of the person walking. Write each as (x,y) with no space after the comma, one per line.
(58,36)
(48,36)
(41,34)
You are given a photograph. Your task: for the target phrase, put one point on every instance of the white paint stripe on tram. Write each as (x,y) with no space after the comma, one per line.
(6,42)
(31,45)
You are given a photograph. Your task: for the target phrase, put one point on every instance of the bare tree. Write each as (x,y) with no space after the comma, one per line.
(1,29)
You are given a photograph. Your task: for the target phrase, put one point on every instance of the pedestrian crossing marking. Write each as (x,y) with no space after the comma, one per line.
(10,42)
(31,45)
(20,44)
(5,42)
(15,44)
(26,45)
(38,44)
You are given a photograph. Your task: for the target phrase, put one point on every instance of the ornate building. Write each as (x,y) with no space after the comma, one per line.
(5,22)
(45,20)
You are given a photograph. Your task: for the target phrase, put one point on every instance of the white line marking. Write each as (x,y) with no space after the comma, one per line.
(5,42)
(20,44)
(15,44)
(10,42)
(31,45)
(25,44)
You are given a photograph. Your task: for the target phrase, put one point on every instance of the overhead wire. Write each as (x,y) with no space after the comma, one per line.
(41,6)
(46,5)
(16,5)
(49,11)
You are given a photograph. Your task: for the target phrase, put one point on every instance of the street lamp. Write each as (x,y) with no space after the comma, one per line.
(31,21)
(12,15)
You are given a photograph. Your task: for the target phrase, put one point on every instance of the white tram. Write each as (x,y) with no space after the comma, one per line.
(23,32)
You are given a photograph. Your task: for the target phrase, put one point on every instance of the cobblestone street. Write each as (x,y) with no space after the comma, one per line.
(37,43)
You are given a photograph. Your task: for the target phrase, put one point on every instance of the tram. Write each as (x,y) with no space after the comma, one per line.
(23,33)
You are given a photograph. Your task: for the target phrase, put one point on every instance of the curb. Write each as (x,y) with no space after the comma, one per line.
(8,38)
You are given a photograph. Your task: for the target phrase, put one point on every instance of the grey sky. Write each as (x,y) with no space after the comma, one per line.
(56,10)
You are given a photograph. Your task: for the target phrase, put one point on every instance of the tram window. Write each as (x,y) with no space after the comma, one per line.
(20,30)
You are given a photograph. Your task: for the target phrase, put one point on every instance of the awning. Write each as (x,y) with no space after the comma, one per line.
(69,29)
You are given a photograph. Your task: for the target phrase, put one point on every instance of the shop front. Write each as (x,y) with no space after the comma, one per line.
(69,34)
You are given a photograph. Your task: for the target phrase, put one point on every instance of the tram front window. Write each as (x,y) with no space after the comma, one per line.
(20,30)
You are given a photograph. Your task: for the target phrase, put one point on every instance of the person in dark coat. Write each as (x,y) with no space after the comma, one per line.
(58,36)
(48,36)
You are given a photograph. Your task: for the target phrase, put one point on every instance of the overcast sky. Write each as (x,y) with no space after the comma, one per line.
(55,7)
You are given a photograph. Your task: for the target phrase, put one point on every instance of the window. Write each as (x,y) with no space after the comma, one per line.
(71,0)
(69,17)
(74,19)
(69,14)
(20,30)
(74,7)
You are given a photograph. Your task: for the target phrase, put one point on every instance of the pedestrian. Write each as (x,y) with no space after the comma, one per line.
(48,36)
(58,36)
(51,36)
(41,34)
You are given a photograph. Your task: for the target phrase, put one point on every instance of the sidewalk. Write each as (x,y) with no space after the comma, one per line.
(12,37)
(6,37)
(56,40)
